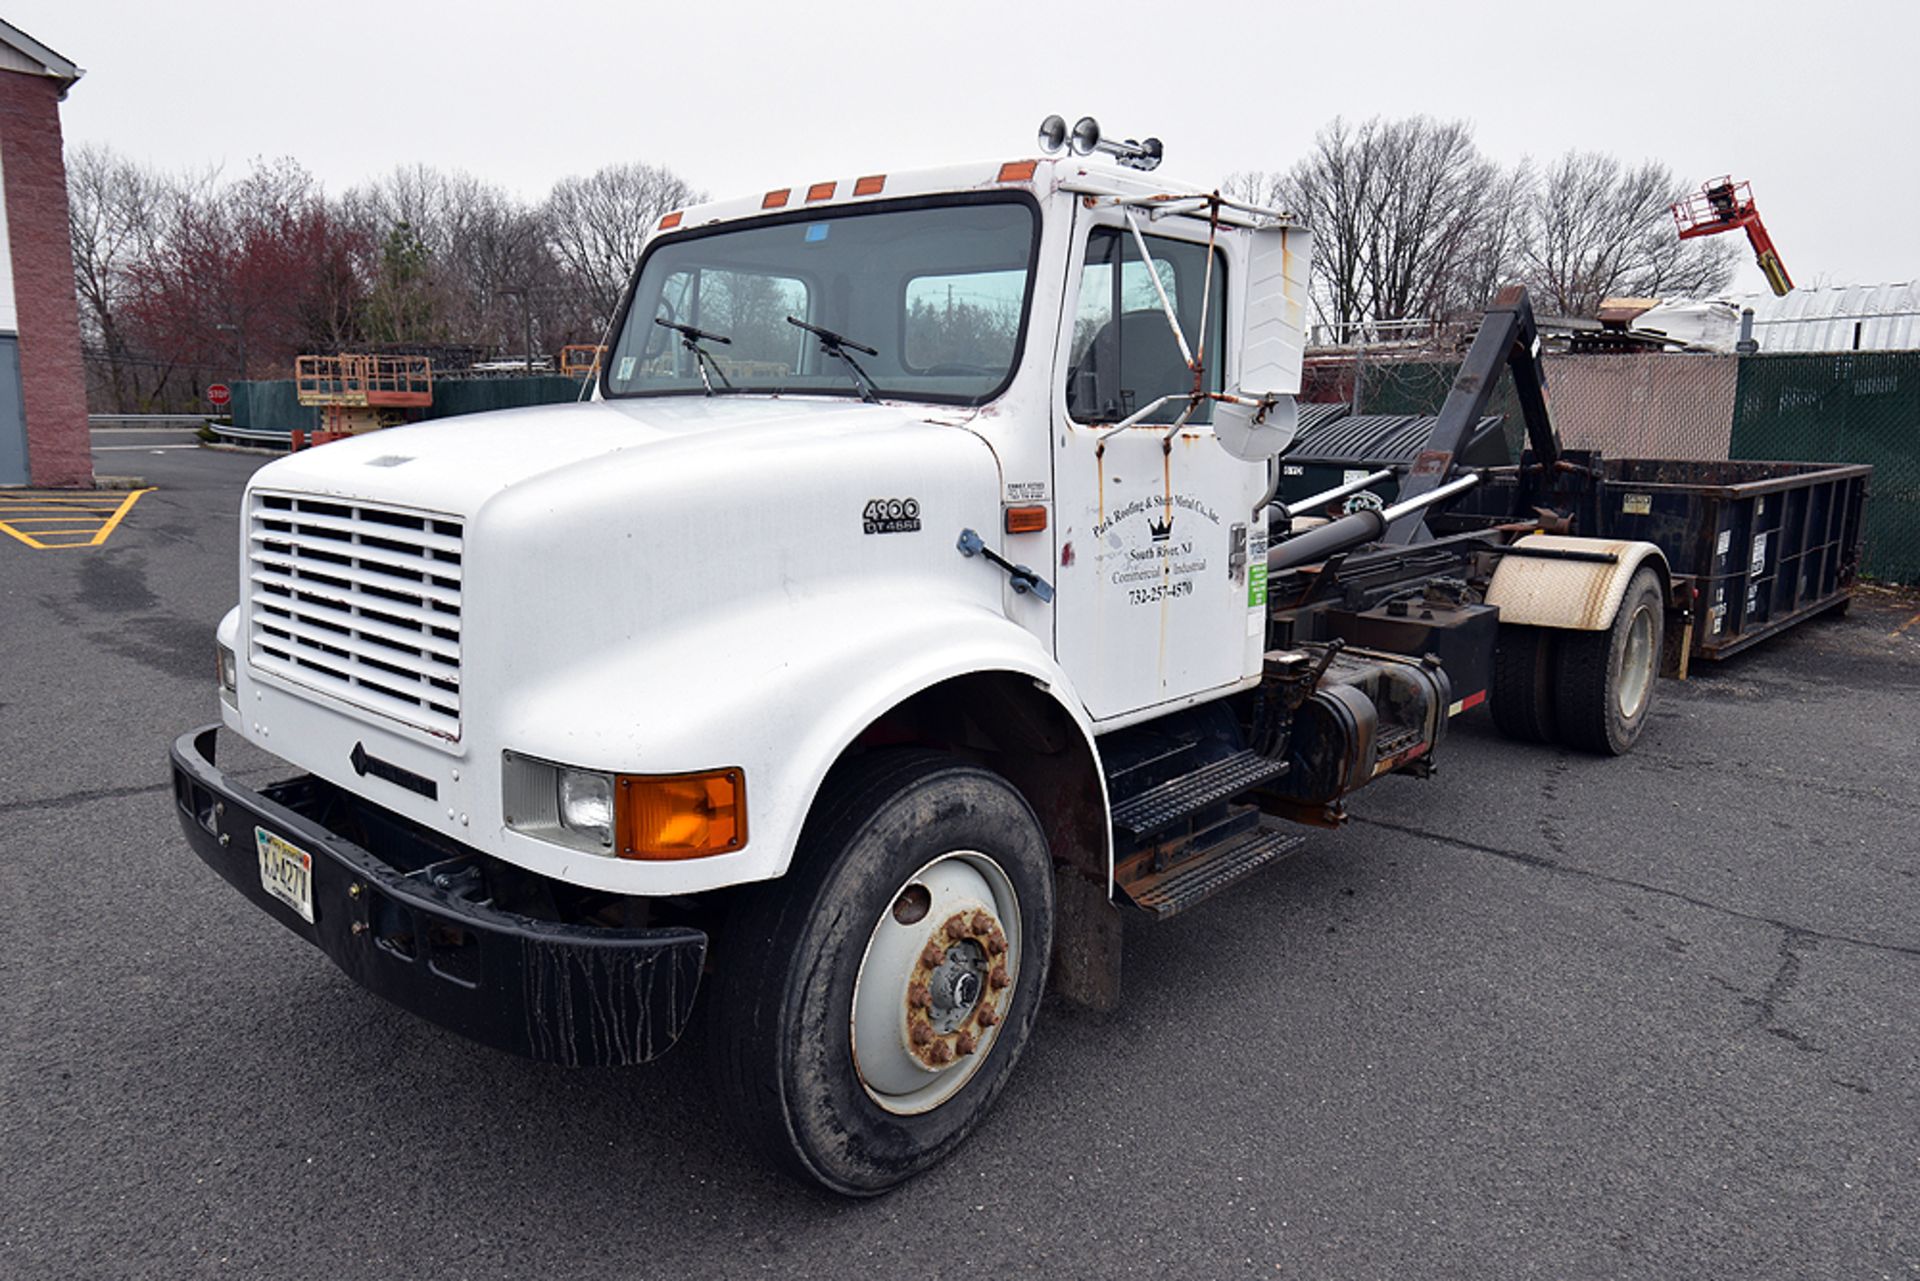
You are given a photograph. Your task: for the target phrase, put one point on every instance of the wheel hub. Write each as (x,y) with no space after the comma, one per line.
(955,985)
(935,983)
(951,999)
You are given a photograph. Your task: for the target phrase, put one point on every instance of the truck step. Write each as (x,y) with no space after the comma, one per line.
(1165,805)
(1206,872)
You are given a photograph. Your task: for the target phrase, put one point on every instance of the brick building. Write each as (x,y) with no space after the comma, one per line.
(43,400)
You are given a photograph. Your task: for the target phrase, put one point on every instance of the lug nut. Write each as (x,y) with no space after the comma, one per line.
(922,1033)
(986,1015)
(941,1052)
(918,997)
(996,941)
(931,955)
(965,1043)
(998,978)
(956,926)
(982,923)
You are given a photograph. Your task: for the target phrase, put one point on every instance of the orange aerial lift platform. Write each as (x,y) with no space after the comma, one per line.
(358,393)
(1723,205)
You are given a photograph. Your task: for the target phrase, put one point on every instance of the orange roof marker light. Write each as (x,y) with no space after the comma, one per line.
(776,199)
(871,185)
(1017,171)
(820,191)
(1026,520)
(670,221)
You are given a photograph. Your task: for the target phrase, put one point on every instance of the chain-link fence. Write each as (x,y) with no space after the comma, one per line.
(1855,407)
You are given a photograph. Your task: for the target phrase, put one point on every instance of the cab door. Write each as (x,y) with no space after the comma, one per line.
(1154,604)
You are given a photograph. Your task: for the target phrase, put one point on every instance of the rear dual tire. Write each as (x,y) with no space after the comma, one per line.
(1591,691)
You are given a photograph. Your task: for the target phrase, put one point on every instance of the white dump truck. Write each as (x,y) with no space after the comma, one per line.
(907,606)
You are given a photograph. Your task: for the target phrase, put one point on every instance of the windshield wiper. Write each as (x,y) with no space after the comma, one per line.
(690,339)
(837,345)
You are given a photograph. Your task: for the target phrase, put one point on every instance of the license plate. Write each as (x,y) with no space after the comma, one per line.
(286,873)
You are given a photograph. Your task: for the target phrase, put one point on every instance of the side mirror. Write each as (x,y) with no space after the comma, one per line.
(1257,430)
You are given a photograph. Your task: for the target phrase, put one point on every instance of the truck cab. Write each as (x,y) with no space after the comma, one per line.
(893,613)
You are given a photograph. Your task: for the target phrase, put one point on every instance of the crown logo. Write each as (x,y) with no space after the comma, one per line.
(1161,529)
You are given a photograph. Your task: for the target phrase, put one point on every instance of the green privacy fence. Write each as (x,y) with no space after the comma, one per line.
(1846,407)
(1843,407)
(273,406)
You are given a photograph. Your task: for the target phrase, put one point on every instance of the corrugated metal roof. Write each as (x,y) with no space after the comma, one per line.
(1316,413)
(1372,438)
(1843,318)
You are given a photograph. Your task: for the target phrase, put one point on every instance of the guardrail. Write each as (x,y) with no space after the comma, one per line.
(265,436)
(108,421)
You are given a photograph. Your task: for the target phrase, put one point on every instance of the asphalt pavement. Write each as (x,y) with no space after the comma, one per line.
(1544,1015)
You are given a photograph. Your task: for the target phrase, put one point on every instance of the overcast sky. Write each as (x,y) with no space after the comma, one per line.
(1814,103)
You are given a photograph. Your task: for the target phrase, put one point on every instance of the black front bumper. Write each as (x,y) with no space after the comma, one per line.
(430,941)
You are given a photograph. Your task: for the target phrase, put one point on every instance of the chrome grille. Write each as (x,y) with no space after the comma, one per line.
(359,601)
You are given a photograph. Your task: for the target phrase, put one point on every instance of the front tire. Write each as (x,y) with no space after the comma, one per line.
(871,1003)
(1607,678)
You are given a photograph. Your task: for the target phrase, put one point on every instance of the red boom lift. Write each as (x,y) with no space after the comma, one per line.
(1723,205)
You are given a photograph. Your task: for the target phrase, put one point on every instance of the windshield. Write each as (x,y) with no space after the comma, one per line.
(931,300)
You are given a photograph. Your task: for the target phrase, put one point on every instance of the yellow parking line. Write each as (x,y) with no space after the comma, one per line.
(120,515)
(67,511)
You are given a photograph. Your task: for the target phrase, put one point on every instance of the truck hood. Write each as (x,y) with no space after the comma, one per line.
(456,464)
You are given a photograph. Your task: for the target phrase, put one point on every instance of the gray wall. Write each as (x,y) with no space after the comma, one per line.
(13,418)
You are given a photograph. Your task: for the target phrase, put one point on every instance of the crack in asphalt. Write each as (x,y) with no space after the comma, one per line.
(81,798)
(1767,1005)
(1795,933)
(115,793)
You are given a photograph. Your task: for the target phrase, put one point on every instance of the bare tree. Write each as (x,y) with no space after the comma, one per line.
(1326,189)
(1496,252)
(116,209)
(1599,228)
(1409,218)
(243,277)
(595,226)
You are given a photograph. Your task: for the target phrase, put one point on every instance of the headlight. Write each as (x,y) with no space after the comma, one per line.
(558,803)
(631,816)
(229,675)
(586,804)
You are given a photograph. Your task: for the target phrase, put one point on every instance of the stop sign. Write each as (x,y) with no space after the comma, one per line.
(219,394)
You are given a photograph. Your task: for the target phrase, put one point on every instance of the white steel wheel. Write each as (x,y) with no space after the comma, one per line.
(1637,662)
(870,1004)
(940,972)
(1605,680)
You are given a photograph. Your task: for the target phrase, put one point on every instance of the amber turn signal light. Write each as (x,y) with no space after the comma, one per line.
(1026,520)
(672,816)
